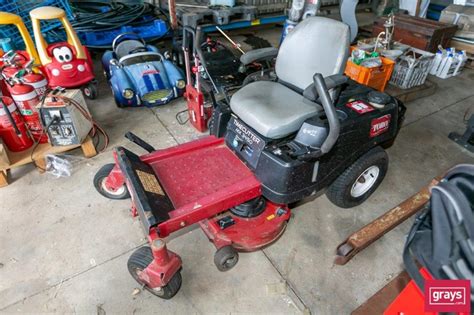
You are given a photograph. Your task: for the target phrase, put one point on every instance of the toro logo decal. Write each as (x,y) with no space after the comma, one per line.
(379,125)
(360,107)
(447,296)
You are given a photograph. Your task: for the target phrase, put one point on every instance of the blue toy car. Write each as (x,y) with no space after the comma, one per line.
(139,75)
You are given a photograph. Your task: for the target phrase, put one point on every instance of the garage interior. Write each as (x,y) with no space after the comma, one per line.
(64,247)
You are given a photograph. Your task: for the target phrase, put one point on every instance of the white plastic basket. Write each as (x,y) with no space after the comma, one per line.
(412,68)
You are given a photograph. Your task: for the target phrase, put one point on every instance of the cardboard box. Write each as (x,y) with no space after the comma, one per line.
(462,16)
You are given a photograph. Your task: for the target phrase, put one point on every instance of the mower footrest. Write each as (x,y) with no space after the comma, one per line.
(150,200)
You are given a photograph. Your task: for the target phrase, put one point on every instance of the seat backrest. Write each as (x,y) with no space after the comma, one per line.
(127,46)
(316,45)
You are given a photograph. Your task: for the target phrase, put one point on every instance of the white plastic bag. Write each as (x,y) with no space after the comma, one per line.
(58,166)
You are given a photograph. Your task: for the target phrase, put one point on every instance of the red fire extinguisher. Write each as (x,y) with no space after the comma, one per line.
(27,100)
(12,128)
(37,81)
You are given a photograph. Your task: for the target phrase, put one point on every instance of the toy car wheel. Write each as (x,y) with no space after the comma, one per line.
(360,180)
(90,90)
(139,260)
(226,258)
(101,187)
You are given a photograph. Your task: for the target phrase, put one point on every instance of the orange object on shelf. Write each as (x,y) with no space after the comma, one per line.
(376,77)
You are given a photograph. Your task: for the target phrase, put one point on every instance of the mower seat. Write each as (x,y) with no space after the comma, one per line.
(278,109)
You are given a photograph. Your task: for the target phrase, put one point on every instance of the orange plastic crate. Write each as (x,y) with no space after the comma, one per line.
(376,78)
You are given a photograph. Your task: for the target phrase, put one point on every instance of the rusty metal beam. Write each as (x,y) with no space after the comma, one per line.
(382,225)
(172,12)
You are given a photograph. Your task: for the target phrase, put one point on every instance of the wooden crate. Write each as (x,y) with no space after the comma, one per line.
(418,32)
(9,160)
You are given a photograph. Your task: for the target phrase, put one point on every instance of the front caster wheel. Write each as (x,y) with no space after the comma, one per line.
(139,260)
(90,90)
(101,187)
(226,258)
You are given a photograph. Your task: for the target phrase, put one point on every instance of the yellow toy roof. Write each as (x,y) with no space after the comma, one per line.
(47,13)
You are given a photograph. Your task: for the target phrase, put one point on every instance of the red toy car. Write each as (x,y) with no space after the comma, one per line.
(66,64)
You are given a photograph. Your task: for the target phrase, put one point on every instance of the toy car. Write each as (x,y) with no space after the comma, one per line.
(139,75)
(310,132)
(66,64)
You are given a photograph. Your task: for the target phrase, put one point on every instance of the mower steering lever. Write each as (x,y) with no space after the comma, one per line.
(139,141)
(328,106)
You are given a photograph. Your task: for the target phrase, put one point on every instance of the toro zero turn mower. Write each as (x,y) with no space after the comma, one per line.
(311,131)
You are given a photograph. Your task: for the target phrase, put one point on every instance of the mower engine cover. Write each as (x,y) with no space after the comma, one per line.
(139,74)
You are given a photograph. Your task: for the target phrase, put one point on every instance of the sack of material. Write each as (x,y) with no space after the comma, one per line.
(442,237)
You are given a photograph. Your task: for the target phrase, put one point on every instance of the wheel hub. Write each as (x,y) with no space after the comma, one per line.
(116,192)
(365,181)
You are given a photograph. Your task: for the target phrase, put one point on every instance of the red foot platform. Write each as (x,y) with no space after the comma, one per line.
(183,185)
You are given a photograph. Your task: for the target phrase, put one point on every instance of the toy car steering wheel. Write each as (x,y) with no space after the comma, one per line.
(123,36)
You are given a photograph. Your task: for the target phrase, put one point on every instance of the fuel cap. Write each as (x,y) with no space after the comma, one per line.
(378,99)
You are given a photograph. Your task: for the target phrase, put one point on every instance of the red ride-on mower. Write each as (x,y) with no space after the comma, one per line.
(284,140)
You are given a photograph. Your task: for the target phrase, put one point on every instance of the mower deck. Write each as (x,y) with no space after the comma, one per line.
(183,185)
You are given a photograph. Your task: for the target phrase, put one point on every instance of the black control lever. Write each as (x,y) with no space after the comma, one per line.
(139,141)
(330,111)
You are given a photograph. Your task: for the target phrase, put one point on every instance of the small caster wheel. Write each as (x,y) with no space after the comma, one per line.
(139,260)
(99,184)
(90,90)
(226,258)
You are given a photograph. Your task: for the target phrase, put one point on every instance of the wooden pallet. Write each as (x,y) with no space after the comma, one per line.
(9,160)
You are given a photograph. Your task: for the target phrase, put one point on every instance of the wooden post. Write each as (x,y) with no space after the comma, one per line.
(418,5)
(88,148)
(3,178)
(41,164)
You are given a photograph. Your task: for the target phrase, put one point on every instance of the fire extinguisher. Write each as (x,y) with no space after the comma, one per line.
(12,127)
(27,100)
(37,81)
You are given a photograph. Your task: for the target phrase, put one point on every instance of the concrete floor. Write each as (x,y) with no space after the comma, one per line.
(64,248)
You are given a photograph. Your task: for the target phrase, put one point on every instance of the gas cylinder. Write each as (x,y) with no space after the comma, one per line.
(13,130)
(27,100)
(36,80)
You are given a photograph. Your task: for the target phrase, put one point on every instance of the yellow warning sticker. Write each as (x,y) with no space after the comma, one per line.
(270,217)
(150,183)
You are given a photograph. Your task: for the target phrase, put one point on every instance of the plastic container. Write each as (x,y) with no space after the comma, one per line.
(412,69)
(23,8)
(438,58)
(451,64)
(6,44)
(376,77)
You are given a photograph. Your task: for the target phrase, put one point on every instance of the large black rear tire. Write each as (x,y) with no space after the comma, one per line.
(139,260)
(359,180)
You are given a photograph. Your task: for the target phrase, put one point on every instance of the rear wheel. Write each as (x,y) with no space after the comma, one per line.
(360,180)
(101,187)
(90,90)
(139,260)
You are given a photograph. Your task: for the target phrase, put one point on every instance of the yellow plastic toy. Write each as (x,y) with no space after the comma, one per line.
(13,19)
(66,64)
